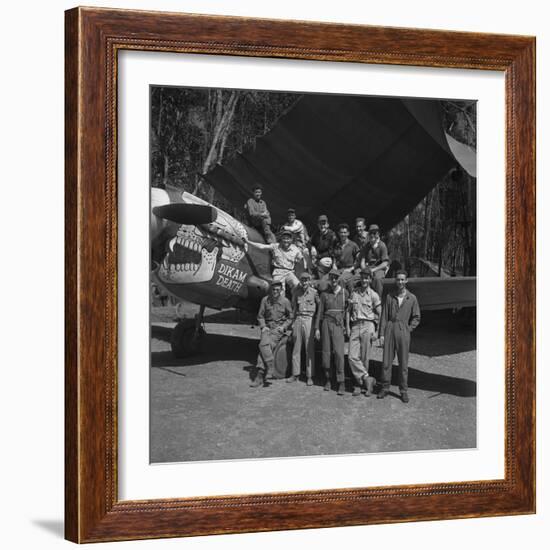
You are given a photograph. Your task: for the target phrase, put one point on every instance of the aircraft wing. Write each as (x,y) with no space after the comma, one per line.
(344,156)
(440,293)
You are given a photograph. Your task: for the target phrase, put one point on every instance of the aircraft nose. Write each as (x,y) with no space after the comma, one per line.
(159,197)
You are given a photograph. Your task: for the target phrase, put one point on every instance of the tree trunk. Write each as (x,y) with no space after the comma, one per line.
(166,168)
(219,134)
(427,223)
(407,242)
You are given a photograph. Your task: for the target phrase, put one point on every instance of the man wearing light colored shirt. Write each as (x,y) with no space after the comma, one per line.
(361,319)
(284,257)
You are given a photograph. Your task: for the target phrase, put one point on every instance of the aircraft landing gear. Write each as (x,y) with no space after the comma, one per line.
(187,336)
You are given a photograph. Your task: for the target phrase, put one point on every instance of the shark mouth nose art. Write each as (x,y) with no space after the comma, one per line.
(191,257)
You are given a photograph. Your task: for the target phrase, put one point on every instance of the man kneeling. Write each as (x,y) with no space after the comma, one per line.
(274,318)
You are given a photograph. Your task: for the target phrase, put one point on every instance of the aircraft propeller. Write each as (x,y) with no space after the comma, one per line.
(187,214)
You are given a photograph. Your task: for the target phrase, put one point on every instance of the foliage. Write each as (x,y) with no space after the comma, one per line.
(192,129)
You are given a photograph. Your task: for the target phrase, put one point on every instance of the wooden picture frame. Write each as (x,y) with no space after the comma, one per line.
(93,511)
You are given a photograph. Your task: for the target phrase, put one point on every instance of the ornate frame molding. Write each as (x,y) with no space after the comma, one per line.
(93,38)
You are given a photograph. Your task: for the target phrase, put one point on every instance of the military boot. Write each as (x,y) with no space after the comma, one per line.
(327,386)
(259,381)
(368,383)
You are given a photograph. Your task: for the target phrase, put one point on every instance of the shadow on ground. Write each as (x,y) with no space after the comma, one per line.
(217,347)
(169,314)
(429,381)
(443,333)
(54,526)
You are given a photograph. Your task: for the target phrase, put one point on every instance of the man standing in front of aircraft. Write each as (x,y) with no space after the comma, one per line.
(274,318)
(362,316)
(330,328)
(400,316)
(305,301)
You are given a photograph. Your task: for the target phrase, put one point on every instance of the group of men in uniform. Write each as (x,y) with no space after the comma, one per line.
(345,301)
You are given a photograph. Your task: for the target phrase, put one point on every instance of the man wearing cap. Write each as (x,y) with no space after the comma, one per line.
(322,241)
(345,253)
(284,257)
(274,318)
(375,256)
(258,214)
(362,316)
(330,327)
(400,316)
(305,301)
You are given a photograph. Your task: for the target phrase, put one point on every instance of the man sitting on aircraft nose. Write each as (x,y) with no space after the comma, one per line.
(284,257)
(274,318)
(258,214)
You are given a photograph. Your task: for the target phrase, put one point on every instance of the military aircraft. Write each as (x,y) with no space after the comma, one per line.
(344,156)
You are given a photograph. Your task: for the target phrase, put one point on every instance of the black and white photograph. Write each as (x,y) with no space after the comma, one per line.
(313,274)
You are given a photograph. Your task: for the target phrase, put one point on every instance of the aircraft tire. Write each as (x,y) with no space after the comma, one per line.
(282,358)
(183,340)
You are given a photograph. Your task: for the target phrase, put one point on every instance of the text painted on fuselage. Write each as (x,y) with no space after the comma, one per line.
(230,278)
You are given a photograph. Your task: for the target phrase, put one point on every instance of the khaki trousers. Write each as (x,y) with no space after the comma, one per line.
(303,333)
(359,348)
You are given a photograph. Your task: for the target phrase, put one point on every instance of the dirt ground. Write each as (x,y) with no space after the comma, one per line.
(202,408)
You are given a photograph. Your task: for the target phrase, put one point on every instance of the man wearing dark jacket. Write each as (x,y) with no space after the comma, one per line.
(400,316)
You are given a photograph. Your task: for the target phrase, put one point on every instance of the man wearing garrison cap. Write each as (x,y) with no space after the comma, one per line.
(305,301)
(330,328)
(274,318)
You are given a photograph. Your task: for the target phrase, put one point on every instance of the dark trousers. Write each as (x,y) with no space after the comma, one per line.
(268,342)
(332,336)
(377,284)
(263,225)
(397,340)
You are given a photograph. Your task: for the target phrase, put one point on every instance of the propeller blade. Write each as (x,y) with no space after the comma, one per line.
(188,214)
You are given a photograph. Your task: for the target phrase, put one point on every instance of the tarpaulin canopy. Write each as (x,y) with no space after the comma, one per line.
(344,156)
